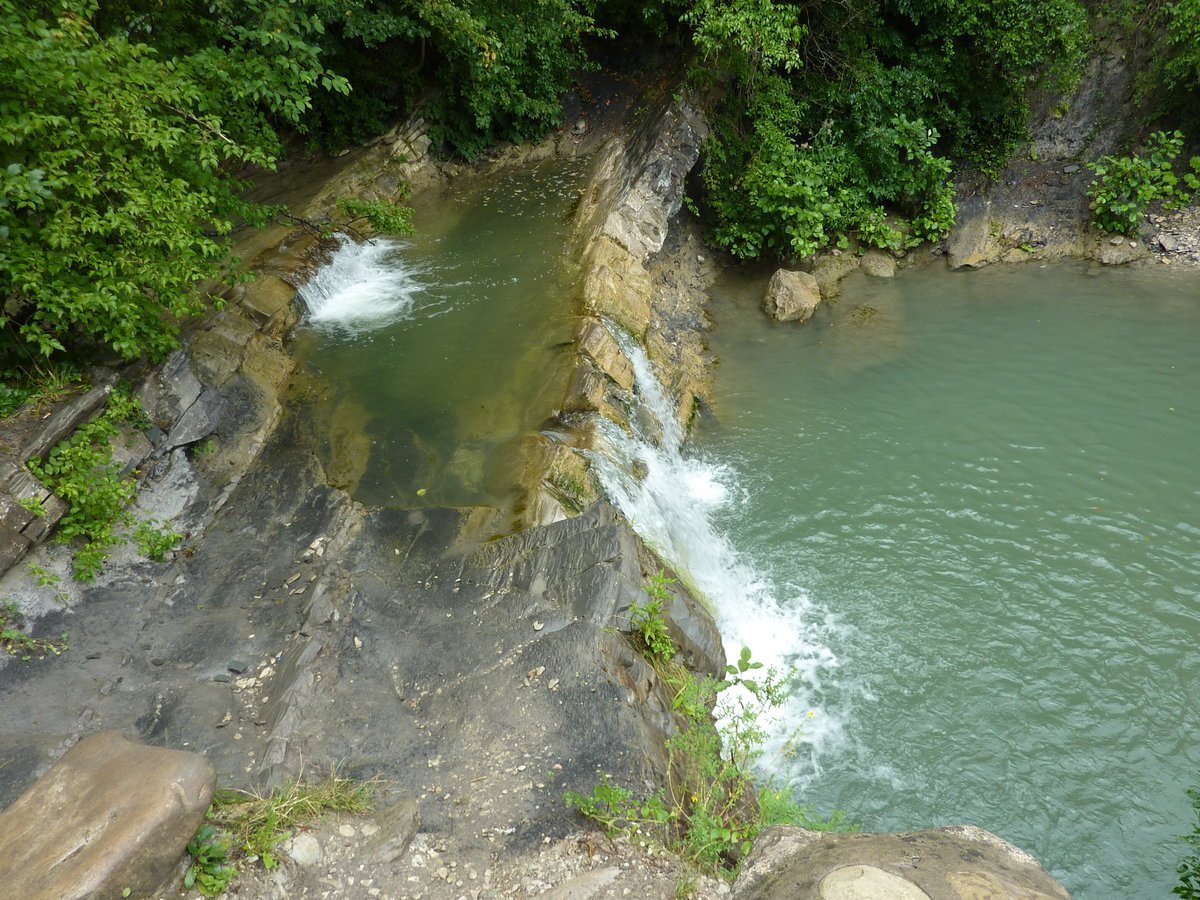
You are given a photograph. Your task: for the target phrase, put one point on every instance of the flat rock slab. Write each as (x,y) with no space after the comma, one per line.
(110,815)
(961,862)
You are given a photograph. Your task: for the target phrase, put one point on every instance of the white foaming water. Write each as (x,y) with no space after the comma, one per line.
(672,506)
(363,286)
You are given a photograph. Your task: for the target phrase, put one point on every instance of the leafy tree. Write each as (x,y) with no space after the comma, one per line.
(481,70)
(841,118)
(116,153)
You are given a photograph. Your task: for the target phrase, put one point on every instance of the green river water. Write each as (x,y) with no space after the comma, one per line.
(441,351)
(983,488)
(965,506)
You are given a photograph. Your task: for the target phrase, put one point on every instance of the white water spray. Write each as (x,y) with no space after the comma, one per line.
(363,286)
(671,499)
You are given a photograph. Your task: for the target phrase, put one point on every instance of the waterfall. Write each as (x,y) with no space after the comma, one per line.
(363,286)
(673,498)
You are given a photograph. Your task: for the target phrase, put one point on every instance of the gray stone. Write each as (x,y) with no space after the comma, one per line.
(1071,169)
(584,886)
(304,850)
(971,243)
(1169,242)
(397,822)
(877,264)
(961,861)
(599,345)
(108,816)
(792,296)
(829,271)
(868,883)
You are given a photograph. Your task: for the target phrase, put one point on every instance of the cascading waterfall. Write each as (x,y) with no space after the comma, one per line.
(673,499)
(362,287)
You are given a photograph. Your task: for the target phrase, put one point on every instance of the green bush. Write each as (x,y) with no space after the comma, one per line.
(845,127)
(1124,187)
(710,811)
(80,470)
(115,189)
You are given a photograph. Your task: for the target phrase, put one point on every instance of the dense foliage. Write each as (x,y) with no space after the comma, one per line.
(486,70)
(121,121)
(114,152)
(841,118)
(1125,186)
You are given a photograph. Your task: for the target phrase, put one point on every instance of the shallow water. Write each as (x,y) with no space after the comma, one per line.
(983,488)
(435,352)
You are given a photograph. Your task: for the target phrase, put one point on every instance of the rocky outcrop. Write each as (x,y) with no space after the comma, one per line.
(633,194)
(792,296)
(110,819)
(223,388)
(1037,208)
(961,862)
(972,242)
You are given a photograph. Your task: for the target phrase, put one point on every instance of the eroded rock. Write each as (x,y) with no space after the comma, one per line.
(877,264)
(110,815)
(971,243)
(792,296)
(961,861)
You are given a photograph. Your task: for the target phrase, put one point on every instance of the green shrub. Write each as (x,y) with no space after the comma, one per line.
(845,127)
(81,471)
(710,811)
(648,622)
(154,540)
(210,871)
(117,194)
(1124,187)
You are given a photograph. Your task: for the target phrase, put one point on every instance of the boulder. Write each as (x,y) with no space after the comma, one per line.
(878,264)
(792,296)
(830,270)
(110,815)
(971,243)
(961,861)
(1118,251)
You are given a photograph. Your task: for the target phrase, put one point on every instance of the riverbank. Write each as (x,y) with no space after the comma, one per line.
(296,628)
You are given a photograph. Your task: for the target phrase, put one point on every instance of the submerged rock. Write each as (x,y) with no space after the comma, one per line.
(792,296)
(830,270)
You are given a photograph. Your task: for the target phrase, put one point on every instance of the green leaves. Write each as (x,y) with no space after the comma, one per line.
(210,871)
(115,197)
(1124,187)
(843,127)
